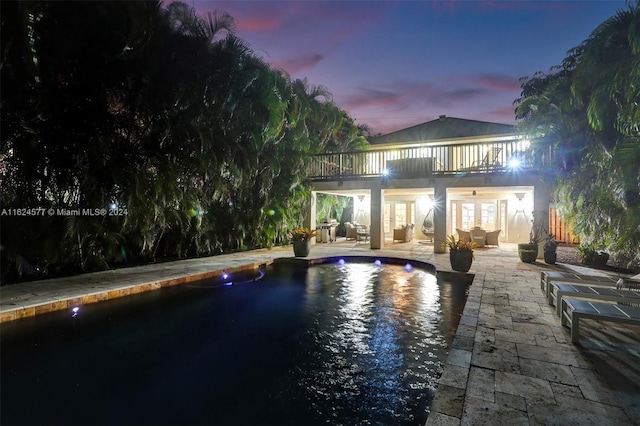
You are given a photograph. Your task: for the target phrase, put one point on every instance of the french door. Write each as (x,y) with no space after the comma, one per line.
(469,214)
(397,214)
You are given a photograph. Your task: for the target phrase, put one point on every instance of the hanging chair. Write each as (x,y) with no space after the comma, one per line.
(427,225)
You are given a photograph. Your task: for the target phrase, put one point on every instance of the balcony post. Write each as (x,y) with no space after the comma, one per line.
(439,217)
(310,216)
(377,208)
(541,201)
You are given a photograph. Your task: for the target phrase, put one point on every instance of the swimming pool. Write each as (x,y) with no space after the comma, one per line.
(354,343)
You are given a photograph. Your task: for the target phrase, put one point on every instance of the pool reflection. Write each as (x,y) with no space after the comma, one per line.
(333,344)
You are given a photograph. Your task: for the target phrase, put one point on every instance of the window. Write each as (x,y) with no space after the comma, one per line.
(488,216)
(453,217)
(401,214)
(468,215)
(387,218)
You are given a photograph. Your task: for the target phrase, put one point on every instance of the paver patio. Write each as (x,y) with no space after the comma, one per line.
(511,361)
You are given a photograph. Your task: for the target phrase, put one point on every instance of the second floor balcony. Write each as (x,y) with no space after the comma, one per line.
(422,160)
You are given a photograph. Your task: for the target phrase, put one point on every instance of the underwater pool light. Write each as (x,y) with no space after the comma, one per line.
(75,311)
(341,262)
(225,276)
(377,262)
(408,267)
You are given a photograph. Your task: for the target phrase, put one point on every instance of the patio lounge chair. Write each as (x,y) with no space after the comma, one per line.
(560,290)
(490,161)
(573,277)
(573,310)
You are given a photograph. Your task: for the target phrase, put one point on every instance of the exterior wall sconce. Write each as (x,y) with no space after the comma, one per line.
(519,206)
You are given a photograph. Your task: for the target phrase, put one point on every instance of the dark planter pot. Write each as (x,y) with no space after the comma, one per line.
(595,259)
(301,248)
(461,260)
(600,259)
(550,257)
(528,252)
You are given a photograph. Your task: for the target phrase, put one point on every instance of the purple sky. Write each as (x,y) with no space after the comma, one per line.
(394,64)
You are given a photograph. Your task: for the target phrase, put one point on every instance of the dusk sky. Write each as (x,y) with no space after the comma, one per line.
(394,64)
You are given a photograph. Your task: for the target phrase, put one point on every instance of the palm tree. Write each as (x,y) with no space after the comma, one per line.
(168,115)
(586,111)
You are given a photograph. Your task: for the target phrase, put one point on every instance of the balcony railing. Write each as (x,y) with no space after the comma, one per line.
(421,161)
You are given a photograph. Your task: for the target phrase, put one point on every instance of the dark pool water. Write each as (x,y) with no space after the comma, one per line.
(333,344)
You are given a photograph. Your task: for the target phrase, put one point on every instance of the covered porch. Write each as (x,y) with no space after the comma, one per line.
(437,207)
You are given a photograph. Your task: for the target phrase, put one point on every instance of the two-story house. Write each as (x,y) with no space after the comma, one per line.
(448,174)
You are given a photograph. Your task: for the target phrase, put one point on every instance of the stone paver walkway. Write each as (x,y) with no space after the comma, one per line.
(511,361)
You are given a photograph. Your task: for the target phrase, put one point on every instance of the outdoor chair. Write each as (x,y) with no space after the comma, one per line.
(573,277)
(574,310)
(362,233)
(428,233)
(404,233)
(490,161)
(463,235)
(560,290)
(478,236)
(492,237)
(352,230)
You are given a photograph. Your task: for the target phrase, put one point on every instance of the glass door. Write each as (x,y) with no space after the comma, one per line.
(502,219)
(488,216)
(397,214)
(467,215)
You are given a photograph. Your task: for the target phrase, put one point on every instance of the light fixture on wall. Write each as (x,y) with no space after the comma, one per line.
(520,204)
(360,215)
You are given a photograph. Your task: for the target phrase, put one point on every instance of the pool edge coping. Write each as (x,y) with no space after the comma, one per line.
(113,291)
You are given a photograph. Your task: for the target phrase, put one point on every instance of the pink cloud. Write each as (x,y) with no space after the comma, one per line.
(367,98)
(499,82)
(300,63)
(257,24)
(403,104)
(249,16)
(505,115)
(509,5)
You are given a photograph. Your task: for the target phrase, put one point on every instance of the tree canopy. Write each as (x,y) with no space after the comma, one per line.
(584,120)
(156,112)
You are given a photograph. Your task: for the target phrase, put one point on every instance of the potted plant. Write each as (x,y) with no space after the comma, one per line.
(460,253)
(601,258)
(589,256)
(301,240)
(528,252)
(550,249)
